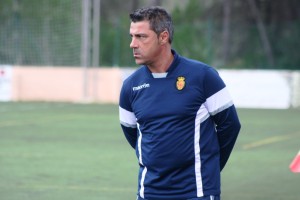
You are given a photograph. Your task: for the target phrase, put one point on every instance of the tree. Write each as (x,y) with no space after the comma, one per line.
(262,31)
(226,29)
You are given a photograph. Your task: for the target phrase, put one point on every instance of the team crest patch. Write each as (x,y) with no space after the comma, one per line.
(180,83)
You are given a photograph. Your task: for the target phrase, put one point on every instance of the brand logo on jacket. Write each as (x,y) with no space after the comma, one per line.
(145,85)
(180,83)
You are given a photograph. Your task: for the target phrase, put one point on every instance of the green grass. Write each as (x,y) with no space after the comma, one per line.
(77,151)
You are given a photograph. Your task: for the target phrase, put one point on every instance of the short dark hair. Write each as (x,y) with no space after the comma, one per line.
(160,20)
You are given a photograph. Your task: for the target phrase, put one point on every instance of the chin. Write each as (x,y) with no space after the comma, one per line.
(139,62)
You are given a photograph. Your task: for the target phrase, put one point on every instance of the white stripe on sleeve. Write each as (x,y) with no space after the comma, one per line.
(218,101)
(127,118)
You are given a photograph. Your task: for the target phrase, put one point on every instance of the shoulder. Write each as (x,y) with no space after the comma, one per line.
(139,73)
(194,64)
(198,68)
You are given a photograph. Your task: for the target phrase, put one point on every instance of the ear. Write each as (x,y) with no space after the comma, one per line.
(164,37)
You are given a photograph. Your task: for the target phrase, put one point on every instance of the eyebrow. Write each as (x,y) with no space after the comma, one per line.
(138,34)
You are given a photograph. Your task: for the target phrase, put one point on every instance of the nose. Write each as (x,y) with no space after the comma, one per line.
(133,43)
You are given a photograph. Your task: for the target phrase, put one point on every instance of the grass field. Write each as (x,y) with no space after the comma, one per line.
(61,151)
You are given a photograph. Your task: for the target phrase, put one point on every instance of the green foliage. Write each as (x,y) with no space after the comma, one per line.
(48,32)
(115,42)
(199,29)
(287,45)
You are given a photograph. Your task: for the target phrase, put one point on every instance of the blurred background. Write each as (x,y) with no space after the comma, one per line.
(84,46)
(255,34)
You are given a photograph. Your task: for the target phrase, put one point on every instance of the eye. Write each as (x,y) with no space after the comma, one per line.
(141,36)
(138,36)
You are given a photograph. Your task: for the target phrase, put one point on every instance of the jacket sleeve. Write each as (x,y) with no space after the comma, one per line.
(228,127)
(130,134)
(222,110)
(127,117)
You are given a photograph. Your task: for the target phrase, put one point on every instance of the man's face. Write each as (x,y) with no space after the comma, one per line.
(144,43)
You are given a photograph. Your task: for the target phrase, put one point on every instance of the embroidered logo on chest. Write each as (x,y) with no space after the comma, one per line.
(180,83)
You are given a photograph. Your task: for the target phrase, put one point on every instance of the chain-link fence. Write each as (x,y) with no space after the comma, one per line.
(37,35)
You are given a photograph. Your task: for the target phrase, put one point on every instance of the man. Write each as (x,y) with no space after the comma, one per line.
(176,113)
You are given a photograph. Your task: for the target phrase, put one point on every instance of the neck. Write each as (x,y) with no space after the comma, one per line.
(163,62)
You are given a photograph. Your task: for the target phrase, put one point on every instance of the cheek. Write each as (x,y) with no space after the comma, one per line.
(152,49)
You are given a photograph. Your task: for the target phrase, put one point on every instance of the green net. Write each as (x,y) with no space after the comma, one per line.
(33,34)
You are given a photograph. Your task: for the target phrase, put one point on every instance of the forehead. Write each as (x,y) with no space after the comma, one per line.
(142,26)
